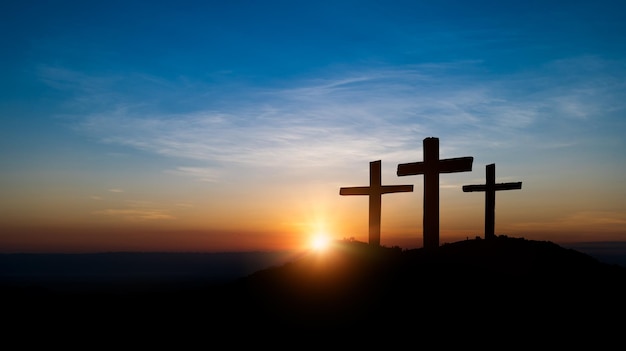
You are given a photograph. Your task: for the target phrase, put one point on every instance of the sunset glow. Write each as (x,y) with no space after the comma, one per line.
(232,126)
(320,242)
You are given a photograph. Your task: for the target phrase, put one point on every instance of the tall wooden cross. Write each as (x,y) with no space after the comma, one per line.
(490,189)
(430,168)
(375,192)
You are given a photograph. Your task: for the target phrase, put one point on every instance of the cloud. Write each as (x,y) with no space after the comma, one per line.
(136,214)
(371,113)
(77,82)
(591,221)
(375,113)
(135,211)
(202,173)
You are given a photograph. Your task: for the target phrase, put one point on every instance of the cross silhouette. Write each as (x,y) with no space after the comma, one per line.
(430,168)
(375,192)
(490,189)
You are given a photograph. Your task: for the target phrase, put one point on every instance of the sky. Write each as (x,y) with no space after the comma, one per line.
(211,126)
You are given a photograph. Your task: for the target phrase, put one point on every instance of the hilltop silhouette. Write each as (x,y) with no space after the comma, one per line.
(354,284)
(473,285)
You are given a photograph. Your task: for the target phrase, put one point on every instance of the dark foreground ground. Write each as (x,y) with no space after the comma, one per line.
(477,290)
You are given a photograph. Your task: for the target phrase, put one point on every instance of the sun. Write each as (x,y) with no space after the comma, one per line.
(320,242)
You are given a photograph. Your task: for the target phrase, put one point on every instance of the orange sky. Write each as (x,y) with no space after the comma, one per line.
(287,215)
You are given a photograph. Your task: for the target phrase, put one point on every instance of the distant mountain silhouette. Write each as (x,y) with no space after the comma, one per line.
(120,271)
(477,286)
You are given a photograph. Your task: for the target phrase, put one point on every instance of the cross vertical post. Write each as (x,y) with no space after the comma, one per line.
(375,191)
(490,188)
(431,168)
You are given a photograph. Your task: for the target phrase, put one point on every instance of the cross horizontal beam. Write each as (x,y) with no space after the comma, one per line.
(448,165)
(497,186)
(366,190)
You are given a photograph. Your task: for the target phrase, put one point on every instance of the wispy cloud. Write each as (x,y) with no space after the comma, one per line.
(202,173)
(373,113)
(136,214)
(137,211)
(582,220)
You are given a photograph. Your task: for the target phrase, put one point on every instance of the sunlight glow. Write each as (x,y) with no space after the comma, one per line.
(320,242)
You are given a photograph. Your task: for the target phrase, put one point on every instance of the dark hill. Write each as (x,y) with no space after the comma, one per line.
(506,279)
(474,286)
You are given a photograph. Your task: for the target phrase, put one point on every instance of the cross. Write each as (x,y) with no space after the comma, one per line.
(430,168)
(375,192)
(490,197)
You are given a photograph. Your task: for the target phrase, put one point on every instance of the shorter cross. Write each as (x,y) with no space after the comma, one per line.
(375,192)
(490,189)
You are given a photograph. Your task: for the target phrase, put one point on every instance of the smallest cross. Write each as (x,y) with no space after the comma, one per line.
(490,189)
(375,192)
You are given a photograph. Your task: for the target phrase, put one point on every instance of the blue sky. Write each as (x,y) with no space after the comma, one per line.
(209,116)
